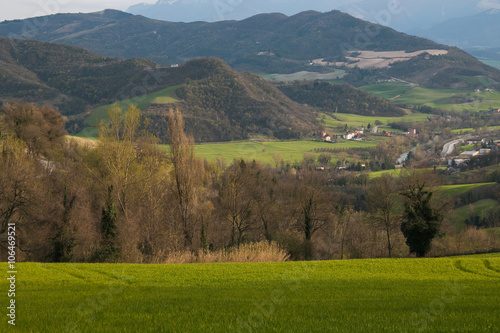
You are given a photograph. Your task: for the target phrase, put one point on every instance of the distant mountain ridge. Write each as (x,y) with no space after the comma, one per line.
(403,15)
(265,43)
(478,34)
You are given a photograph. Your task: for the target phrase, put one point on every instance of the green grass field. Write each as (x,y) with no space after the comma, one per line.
(438,98)
(164,96)
(455,190)
(290,151)
(394,172)
(459,294)
(471,130)
(480,208)
(354,121)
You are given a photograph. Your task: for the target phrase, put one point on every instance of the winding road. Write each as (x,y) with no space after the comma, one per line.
(450,146)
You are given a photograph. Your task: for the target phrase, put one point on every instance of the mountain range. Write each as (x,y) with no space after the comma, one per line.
(265,43)
(218,102)
(477,34)
(403,15)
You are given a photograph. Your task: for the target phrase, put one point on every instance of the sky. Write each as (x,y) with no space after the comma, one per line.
(20,9)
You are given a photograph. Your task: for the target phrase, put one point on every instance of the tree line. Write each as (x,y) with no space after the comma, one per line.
(124,199)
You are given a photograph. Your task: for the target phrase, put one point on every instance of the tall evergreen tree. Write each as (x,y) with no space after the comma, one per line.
(421,222)
(109,217)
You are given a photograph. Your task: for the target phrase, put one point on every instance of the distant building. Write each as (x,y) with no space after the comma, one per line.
(469,154)
(349,135)
(412,131)
(458,161)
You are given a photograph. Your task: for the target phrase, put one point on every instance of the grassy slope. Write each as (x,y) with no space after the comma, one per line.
(454,190)
(438,98)
(164,96)
(427,295)
(480,207)
(353,120)
(290,151)
(470,130)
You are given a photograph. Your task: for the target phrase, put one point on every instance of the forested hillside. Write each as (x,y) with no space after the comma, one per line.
(342,98)
(266,43)
(224,104)
(220,103)
(69,78)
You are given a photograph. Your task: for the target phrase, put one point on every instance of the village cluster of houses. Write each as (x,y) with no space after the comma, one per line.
(357,135)
(467,155)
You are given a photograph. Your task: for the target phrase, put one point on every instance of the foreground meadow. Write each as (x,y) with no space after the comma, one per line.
(460,294)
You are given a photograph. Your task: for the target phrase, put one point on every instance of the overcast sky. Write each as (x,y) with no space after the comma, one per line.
(20,9)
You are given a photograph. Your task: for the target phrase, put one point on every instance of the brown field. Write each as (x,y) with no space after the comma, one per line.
(373,59)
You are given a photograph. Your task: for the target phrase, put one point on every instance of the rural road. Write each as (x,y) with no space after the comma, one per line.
(450,146)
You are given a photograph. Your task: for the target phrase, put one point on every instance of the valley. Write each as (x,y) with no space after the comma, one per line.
(310,172)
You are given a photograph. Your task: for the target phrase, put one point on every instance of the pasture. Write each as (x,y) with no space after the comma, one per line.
(450,99)
(354,120)
(459,294)
(164,96)
(267,151)
(452,191)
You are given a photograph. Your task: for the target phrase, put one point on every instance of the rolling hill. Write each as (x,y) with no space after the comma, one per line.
(218,102)
(265,43)
(340,98)
(223,105)
(68,78)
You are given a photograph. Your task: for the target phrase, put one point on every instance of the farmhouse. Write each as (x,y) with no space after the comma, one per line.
(484,151)
(469,154)
(350,135)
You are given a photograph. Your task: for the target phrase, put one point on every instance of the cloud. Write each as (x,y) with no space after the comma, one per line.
(489,4)
(30,8)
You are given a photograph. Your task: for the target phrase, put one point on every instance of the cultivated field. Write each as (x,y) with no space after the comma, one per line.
(450,99)
(354,120)
(471,130)
(452,191)
(266,151)
(305,75)
(375,59)
(459,294)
